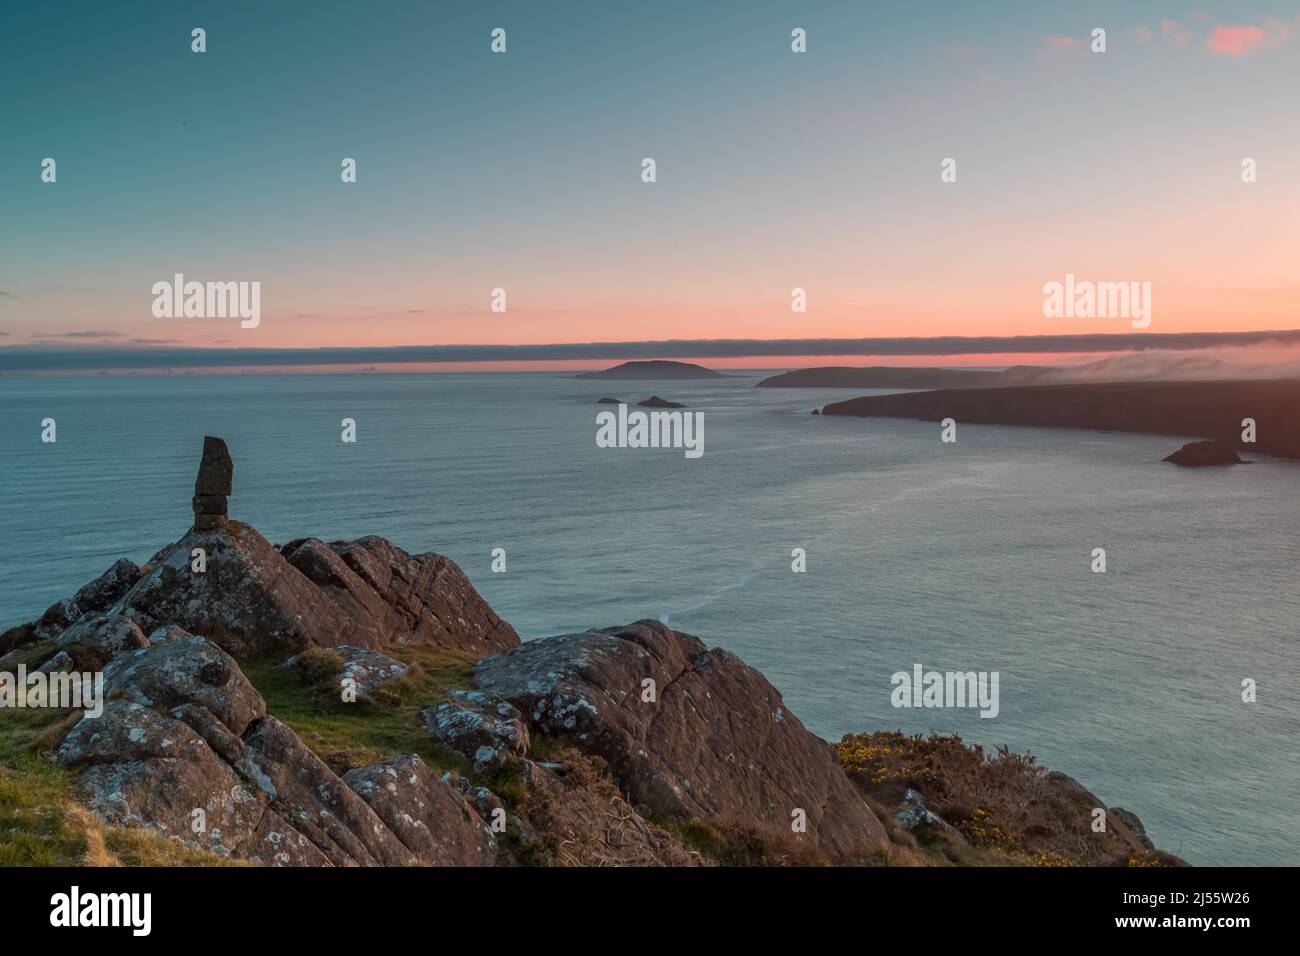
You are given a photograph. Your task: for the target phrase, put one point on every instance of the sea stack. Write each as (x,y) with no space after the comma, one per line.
(213,486)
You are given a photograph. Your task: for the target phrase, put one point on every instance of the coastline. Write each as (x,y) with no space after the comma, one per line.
(1212,410)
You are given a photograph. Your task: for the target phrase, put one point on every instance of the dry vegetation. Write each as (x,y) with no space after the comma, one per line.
(1007,808)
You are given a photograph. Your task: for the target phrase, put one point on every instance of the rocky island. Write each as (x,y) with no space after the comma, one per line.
(654,401)
(348,703)
(653,369)
(1205,454)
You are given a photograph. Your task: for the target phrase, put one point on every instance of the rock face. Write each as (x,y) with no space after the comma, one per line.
(389,596)
(107,589)
(425,812)
(712,741)
(213,486)
(1203,454)
(185,747)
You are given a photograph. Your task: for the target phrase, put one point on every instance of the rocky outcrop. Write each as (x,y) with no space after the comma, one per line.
(225,581)
(139,767)
(650,737)
(688,732)
(185,748)
(388,596)
(1204,454)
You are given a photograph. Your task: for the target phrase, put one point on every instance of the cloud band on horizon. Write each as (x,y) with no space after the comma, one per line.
(31,358)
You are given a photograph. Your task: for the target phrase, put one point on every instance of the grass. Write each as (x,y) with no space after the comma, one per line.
(364,732)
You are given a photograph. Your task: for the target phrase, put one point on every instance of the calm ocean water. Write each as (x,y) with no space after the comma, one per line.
(973,556)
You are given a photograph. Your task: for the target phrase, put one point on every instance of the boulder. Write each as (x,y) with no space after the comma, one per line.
(57,618)
(368,670)
(104,635)
(186,670)
(915,812)
(713,741)
(485,730)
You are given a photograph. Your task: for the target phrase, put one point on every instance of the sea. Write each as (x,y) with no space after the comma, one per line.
(975,555)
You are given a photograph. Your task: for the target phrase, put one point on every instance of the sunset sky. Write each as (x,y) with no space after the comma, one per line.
(522,170)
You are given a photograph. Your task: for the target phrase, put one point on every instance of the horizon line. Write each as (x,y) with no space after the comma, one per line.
(44,357)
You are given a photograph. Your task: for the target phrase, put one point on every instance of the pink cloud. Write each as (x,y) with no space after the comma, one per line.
(1055,48)
(1239,40)
(1236,41)
(1141,34)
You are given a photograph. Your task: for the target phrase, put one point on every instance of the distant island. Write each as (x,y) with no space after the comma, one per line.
(654,401)
(655,368)
(1212,410)
(1120,368)
(882,376)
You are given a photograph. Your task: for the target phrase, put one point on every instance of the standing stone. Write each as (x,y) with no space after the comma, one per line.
(213,486)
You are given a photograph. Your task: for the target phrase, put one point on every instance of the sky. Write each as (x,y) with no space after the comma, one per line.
(522,170)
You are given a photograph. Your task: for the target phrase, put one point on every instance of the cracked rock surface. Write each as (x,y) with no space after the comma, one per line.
(715,742)
(185,748)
